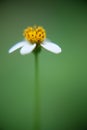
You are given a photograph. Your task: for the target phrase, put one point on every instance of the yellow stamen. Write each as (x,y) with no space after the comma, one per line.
(35,34)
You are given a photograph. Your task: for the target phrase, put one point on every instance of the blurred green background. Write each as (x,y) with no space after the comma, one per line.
(63,77)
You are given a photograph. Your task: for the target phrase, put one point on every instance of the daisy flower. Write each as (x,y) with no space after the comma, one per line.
(35,37)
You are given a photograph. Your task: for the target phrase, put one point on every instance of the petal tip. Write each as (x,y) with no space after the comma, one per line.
(59,51)
(9,51)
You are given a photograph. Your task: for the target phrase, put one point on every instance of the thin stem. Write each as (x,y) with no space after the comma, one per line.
(37,96)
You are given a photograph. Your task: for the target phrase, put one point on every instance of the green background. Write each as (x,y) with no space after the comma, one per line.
(62,78)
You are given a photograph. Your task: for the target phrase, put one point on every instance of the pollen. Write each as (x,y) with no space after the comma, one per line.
(35,34)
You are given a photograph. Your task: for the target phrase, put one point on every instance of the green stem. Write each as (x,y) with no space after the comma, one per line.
(37,96)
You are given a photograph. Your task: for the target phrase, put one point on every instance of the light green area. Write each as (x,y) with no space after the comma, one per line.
(62,78)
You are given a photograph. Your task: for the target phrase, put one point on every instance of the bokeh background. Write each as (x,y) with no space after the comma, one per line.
(62,78)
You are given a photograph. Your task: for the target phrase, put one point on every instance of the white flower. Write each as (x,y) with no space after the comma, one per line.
(33,38)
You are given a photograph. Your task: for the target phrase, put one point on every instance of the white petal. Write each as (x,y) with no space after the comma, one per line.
(48,45)
(17,46)
(28,48)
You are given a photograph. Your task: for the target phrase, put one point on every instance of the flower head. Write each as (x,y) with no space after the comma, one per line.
(34,38)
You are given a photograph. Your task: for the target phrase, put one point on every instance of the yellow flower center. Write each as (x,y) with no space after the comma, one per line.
(35,34)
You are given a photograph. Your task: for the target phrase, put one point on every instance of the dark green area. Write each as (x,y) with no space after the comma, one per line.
(63,77)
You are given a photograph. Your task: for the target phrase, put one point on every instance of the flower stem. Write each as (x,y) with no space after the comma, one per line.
(37,96)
